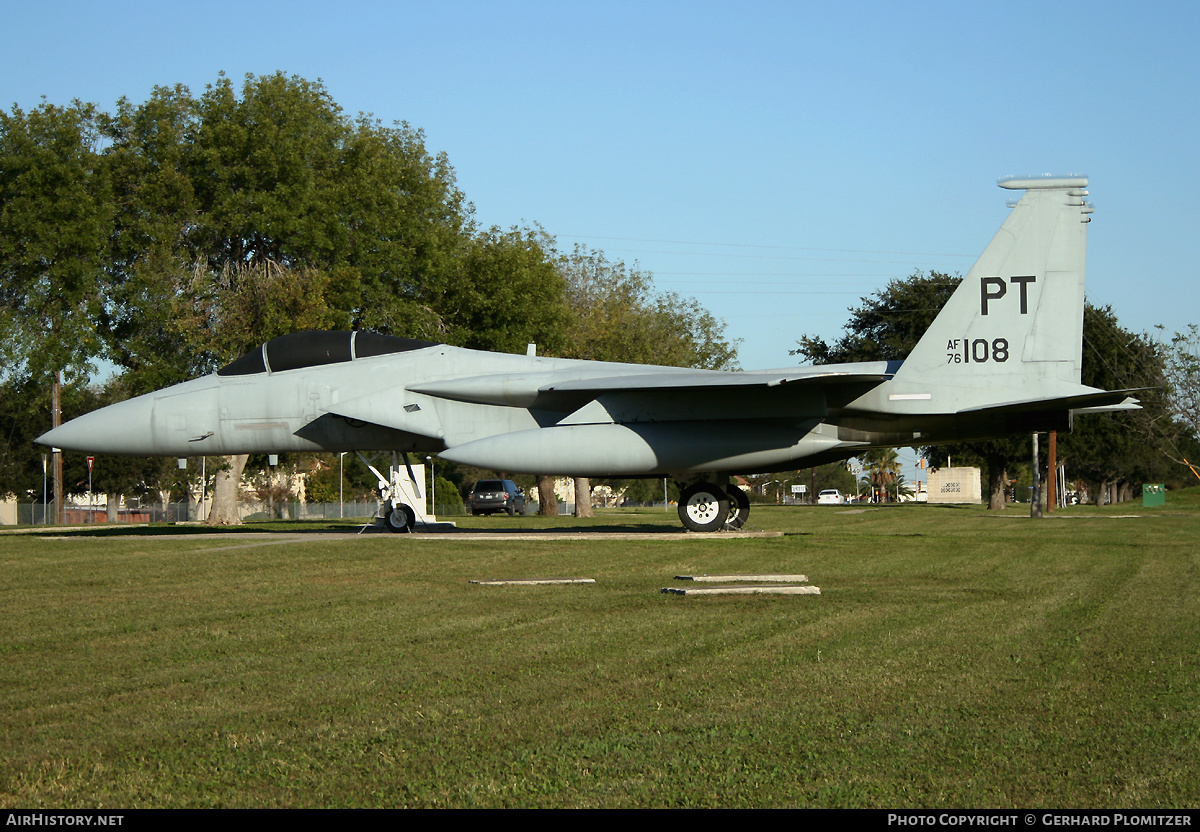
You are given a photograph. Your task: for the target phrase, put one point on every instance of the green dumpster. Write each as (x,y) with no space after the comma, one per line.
(1154,494)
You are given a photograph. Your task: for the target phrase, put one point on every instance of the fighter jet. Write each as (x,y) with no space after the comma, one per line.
(1003,356)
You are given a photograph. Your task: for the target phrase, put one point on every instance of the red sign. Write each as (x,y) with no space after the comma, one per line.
(91,459)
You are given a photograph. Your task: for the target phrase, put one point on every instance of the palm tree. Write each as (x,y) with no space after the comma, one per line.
(882,468)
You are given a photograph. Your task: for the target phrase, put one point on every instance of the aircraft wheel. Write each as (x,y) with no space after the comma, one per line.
(399,519)
(703,507)
(739,507)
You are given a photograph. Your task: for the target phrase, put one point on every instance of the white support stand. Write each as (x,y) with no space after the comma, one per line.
(402,494)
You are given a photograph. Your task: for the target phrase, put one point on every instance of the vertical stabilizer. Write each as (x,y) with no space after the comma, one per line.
(1015,323)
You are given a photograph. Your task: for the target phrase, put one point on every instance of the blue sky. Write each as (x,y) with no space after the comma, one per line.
(777,161)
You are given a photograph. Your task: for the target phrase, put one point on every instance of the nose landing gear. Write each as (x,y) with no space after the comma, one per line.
(398,516)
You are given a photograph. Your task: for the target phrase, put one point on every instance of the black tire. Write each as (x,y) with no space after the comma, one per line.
(739,508)
(703,507)
(511,511)
(399,519)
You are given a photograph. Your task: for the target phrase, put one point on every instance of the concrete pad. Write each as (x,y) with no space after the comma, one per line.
(794,579)
(743,590)
(534,581)
(667,534)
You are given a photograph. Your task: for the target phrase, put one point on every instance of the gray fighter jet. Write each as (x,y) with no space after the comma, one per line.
(1003,356)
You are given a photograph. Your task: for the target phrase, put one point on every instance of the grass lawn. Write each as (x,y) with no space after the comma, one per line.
(955,658)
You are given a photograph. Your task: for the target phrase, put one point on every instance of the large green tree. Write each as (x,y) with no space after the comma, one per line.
(274,172)
(56,216)
(886,325)
(617,315)
(505,293)
(1181,364)
(1119,451)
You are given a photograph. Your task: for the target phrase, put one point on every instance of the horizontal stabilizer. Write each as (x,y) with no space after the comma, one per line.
(1123,407)
(1100,401)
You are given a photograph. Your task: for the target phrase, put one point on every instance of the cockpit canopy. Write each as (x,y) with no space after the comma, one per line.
(313,349)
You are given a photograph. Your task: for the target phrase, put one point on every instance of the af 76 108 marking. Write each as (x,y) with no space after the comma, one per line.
(977,351)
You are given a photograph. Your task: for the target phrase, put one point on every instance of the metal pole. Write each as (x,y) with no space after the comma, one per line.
(341,501)
(55,421)
(203,487)
(45,505)
(1052,473)
(432,487)
(1035,505)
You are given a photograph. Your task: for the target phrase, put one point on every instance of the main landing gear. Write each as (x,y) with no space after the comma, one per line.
(708,507)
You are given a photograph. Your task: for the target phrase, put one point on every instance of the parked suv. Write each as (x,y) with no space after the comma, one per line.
(490,496)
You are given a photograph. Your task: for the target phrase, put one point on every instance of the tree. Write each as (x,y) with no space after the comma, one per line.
(1182,374)
(23,409)
(887,325)
(149,261)
(274,173)
(506,294)
(219,317)
(1124,448)
(55,220)
(882,470)
(616,315)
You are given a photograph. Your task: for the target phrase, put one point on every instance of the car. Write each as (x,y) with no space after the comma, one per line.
(830,497)
(490,496)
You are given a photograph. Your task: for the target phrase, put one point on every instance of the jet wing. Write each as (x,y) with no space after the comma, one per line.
(709,380)
(559,391)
